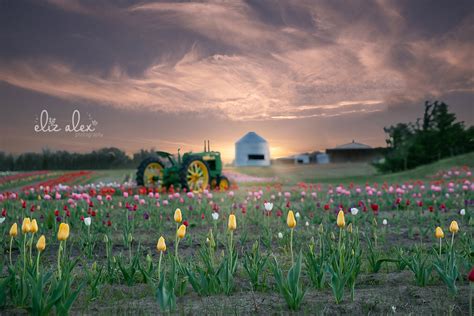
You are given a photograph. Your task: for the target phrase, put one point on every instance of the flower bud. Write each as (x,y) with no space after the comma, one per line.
(41,244)
(33,226)
(232,225)
(26,225)
(454,228)
(439,233)
(63,232)
(341,222)
(14,230)
(181,231)
(161,245)
(178,217)
(290,220)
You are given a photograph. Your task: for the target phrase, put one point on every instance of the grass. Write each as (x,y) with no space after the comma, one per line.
(358,173)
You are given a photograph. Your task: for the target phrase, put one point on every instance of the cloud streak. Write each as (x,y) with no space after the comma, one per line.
(320,62)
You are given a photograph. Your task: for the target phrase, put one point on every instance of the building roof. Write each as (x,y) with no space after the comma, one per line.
(353,145)
(251,138)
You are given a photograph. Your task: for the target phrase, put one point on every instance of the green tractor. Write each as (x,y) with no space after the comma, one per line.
(193,171)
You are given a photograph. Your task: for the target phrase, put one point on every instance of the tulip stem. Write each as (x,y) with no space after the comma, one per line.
(291,247)
(31,247)
(440,241)
(340,250)
(11,243)
(37,264)
(452,240)
(159,265)
(176,242)
(24,254)
(59,258)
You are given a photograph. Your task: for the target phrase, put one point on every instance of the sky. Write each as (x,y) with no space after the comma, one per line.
(305,75)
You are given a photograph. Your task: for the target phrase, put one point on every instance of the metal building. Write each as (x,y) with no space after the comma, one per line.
(252,150)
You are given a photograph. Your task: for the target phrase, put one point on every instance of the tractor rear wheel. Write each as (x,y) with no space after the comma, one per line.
(194,174)
(150,173)
(224,183)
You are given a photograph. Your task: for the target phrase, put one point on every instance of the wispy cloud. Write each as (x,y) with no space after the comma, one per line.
(243,67)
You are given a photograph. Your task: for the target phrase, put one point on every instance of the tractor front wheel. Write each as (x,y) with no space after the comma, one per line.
(195,174)
(150,173)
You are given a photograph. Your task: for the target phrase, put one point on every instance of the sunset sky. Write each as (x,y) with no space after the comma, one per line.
(305,75)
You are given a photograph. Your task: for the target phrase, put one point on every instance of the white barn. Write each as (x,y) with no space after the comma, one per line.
(252,150)
(301,159)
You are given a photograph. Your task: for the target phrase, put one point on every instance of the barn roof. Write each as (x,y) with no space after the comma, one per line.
(353,145)
(251,138)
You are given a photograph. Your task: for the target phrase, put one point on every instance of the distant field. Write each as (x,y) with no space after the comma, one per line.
(350,172)
(287,175)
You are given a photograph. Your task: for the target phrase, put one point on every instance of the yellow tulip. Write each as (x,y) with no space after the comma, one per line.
(232,225)
(33,226)
(14,230)
(177,216)
(26,225)
(63,232)
(41,244)
(161,245)
(290,220)
(439,233)
(181,231)
(341,222)
(454,228)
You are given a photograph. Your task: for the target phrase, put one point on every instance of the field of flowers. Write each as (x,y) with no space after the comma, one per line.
(382,247)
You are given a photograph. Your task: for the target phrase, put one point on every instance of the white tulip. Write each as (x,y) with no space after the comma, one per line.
(215,216)
(462,212)
(280,235)
(88,221)
(268,206)
(2,219)
(385,222)
(297,215)
(307,223)
(354,211)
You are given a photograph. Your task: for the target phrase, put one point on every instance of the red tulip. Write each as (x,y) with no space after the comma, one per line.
(4,212)
(471,275)
(374,207)
(430,208)
(326,207)
(202,216)
(185,223)
(56,213)
(109,223)
(407,202)
(82,218)
(23,204)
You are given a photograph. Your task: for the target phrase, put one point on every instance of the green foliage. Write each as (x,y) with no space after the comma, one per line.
(343,265)
(419,264)
(447,269)
(436,136)
(254,265)
(290,287)
(165,293)
(315,263)
(374,257)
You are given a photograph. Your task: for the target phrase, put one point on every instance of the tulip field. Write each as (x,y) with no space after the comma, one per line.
(88,242)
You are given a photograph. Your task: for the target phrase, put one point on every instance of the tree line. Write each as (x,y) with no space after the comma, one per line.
(104,158)
(436,135)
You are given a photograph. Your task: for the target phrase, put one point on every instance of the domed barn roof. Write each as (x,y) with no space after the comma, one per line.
(251,138)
